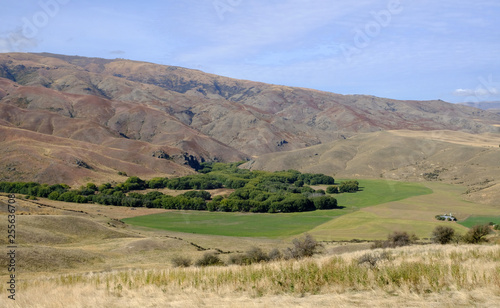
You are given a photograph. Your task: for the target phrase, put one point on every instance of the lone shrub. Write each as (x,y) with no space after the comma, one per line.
(181,262)
(209,259)
(401,238)
(302,248)
(443,235)
(396,239)
(256,255)
(476,234)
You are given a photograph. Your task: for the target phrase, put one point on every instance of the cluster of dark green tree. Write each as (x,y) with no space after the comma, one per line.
(261,191)
(262,202)
(32,188)
(346,186)
(106,194)
(255,191)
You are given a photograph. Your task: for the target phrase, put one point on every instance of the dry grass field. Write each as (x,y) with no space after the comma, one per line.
(418,276)
(82,255)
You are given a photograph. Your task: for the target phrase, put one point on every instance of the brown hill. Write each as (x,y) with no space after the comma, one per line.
(452,157)
(147,119)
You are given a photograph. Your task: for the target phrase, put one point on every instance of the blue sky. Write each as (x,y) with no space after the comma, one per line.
(446,49)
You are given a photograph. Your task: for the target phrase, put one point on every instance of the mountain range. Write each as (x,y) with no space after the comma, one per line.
(73,119)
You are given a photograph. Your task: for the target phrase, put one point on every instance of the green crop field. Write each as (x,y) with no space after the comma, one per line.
(236,224)
(283,224)
(375,192)
(480,220)
(415,214)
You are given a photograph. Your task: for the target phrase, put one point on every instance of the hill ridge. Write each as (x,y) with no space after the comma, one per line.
(192,116)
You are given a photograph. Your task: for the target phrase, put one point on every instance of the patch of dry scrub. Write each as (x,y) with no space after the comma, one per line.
(433,275)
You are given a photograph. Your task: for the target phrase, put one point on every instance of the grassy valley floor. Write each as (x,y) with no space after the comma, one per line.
(279,225)
(81,255)
(380,208)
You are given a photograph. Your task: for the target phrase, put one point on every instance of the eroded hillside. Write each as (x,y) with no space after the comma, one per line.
(72,119)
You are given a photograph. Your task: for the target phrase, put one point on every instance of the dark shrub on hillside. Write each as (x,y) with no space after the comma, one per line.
(443,234)
(477,234)
(209,259)
(396,239)
(401,238)
(256,255)
(302,248)
(181,262)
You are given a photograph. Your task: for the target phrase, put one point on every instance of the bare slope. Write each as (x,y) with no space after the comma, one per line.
(164,113)
(453,157)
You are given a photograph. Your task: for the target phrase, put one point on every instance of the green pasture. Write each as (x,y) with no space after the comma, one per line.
(415,214)
(282,224)
(480,220)
(375,192)
(236,224)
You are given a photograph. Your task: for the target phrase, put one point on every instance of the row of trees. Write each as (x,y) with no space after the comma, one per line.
(255,191)
(274,204)
(32,188)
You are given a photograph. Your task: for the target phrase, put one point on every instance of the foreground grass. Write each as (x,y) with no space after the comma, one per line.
(411,272)
(283,224)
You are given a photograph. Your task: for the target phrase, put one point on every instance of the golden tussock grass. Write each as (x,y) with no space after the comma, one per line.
(419,276)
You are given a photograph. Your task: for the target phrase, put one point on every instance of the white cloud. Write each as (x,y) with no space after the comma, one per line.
(15,41)
(480,91)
